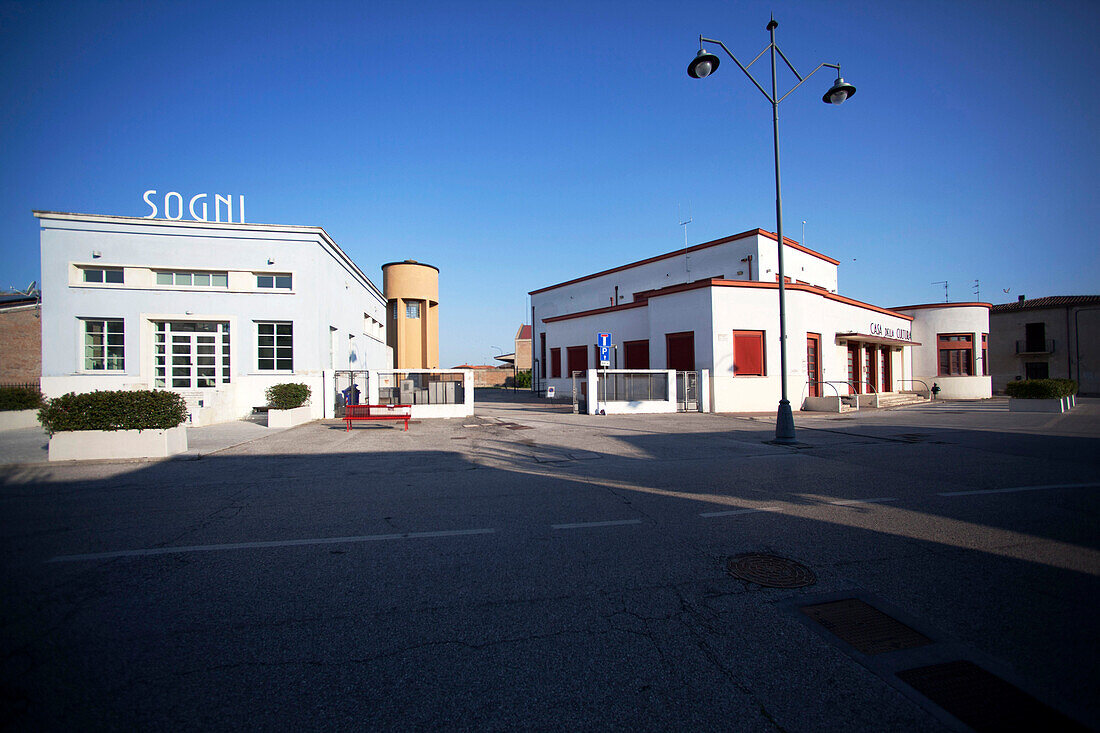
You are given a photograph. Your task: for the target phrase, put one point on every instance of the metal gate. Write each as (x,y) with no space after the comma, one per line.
(349,388)
(687,391)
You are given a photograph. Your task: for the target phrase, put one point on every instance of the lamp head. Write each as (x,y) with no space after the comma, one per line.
(839,92)
(703,65)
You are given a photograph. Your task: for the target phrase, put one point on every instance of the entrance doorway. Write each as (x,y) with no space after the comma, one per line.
(813,363)
(854,370)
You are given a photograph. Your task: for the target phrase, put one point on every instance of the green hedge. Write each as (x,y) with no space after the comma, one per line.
(141,409)
(1041,389)
(287,396)
(523,380)
(20,398)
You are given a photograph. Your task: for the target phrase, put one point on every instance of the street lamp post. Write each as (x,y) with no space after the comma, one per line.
(706,63)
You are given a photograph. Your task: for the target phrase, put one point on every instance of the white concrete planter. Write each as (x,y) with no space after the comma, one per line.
(83,445)
(18,419)
(1016,404)
(288,418)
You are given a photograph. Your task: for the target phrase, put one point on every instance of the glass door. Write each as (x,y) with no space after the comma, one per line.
(190,354)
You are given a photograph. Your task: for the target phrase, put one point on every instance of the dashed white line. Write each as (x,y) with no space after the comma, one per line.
(583,525)
(733,512)
(1019,488)
(850,502)
(259,545)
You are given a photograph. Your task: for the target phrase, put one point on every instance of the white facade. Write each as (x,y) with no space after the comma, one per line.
(933,325)
(704,303)
(215,311)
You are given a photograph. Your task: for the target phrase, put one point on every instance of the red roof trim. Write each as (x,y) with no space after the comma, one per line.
(597,311)
(715,282)
(694,248)
(943,305)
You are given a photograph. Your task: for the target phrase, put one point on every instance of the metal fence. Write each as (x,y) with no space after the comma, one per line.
(617,387)
(421,388)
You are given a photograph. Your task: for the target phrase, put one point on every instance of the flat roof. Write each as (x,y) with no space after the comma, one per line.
(191,223)
(719,283)
(694,248)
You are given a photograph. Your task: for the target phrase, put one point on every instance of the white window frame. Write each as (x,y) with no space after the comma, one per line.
(104,346)
(412,309)
(84,270)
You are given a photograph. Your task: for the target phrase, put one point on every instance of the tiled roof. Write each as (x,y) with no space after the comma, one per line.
(524,333)
(1051,301)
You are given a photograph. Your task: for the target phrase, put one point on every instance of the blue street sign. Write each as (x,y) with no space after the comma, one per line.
(603,340)
(605,356)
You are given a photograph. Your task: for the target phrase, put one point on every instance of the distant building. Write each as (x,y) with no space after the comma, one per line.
(1055,336)
(20,338)
(412,303)
(520,358)
(487,375)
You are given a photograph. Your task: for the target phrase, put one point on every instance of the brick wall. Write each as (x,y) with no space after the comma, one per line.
(20,345)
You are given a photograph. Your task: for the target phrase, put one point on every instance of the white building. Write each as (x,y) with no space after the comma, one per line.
(714,307)
(215,311)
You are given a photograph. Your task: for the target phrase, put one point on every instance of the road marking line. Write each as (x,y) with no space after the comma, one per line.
(850,502)
(1019,488)
(260,545)
(742,511)
(581,525)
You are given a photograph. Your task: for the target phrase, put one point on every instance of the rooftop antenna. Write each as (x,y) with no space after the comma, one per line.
(977,290)
(803,232)
(684,223)
(946,297)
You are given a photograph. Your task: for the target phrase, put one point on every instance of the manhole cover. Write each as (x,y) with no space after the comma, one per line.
(770,571)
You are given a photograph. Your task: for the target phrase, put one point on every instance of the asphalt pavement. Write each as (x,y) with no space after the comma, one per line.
(532,568)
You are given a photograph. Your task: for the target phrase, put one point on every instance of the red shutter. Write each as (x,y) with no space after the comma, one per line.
(748,353)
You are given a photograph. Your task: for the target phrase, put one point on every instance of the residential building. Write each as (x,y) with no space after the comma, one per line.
(1053,336)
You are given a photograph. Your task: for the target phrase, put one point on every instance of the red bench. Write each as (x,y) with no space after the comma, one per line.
(377,412)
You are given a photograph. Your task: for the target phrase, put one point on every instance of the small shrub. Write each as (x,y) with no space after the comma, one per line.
(20,398)
(1041,389)
(523,380)
(141,409)
(287,396)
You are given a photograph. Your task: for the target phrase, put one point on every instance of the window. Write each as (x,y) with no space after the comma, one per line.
(1035,336)
(555,363)
(985,354)
(576,359)
(104,346)
(275,346)
(282,282)
(393,310)
(103,275)
(1036,370)
(636,354)
(748,354)
(190,354)
(956,351)
(680,351)
(412,310)
(193,279)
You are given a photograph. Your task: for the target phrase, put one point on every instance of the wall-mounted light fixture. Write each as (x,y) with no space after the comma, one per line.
(96,254)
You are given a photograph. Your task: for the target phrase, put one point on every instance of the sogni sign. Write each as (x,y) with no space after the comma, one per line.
(174,207)
(877,329)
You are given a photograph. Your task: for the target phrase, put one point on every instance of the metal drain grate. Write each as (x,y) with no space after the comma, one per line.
(867,629)
(983,700)
(770,571)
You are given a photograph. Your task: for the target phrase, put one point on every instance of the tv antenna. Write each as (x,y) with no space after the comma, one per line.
(977,290)
(946,297)
(684,223)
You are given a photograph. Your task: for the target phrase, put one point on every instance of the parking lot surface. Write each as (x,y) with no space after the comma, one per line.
(532,568)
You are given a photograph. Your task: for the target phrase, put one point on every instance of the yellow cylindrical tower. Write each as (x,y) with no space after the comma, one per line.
(412,318)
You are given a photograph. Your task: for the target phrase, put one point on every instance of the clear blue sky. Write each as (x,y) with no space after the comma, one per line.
(515,145)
